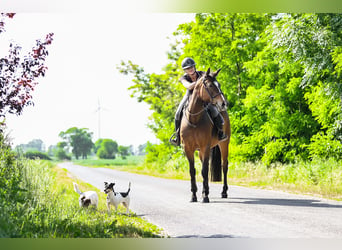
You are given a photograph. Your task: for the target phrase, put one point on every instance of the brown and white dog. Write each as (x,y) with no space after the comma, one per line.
(114,198)
(86,198)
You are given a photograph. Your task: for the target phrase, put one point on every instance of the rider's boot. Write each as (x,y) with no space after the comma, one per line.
(175,138)
(218,122)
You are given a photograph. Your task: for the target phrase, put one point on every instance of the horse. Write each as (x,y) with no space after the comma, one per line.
(197,132)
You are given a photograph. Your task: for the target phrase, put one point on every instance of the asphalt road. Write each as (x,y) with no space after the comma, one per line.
(247,213)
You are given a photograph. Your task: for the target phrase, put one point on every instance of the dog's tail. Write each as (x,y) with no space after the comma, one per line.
(129,188)
(77,190)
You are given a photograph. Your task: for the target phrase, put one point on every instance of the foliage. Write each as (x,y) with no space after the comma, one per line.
(79,139)
(36,155)
(19,74)
(162,92)
(124,151)
(34,145)
(43,204)
(62,155)
(323,146)
(106,148)
(281,74)
(61,151)
(10,189)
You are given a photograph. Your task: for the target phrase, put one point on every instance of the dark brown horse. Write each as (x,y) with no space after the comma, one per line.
(197,131)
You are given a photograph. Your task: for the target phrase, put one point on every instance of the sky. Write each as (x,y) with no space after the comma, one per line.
(82,73)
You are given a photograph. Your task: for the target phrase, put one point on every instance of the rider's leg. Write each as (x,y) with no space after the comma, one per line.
(218,121)
(178,117)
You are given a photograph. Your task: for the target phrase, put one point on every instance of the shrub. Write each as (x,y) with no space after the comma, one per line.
(324,146)
(62,155)
(37,155)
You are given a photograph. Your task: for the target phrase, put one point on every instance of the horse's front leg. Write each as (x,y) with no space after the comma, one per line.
(192,176)
(204,155)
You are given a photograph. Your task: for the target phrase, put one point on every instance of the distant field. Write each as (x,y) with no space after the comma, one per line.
(130,160)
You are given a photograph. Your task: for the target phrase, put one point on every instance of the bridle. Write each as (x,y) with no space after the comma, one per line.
(211,95)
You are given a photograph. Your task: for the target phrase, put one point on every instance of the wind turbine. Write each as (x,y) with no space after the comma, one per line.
(98,110)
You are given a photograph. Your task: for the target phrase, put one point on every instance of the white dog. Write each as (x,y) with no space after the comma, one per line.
(115,199)
(86,198)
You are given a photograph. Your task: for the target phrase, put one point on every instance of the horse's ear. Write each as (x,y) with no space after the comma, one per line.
(208,72)
(216,73)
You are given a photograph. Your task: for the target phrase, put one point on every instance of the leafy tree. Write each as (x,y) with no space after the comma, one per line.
(34,145)
(124,151)
(80,141)
(61,151)
(142,149)
(19,74)
(18,77)
(106,148)
(313,42)
(163,93)
(281,74)
(97,145)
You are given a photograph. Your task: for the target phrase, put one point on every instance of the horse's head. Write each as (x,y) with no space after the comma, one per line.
(210,90)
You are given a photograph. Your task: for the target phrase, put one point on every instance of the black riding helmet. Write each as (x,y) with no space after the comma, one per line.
(188,63)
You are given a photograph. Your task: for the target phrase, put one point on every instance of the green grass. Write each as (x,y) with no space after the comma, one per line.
(47,207)
(321,178)
(130,160)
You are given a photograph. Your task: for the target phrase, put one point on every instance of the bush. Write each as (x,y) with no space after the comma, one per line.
(37,155)
(106,148)
(62,155)
(11,175)
(324,146)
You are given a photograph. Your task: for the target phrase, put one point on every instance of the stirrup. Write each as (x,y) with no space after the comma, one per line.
(174,141)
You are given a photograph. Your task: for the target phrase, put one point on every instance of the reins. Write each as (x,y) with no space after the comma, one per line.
(204,107)
(193,114)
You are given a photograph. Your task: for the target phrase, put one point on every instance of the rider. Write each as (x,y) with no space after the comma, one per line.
(189,81)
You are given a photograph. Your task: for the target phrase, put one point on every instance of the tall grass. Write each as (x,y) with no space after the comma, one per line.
(317,177)
(47,206)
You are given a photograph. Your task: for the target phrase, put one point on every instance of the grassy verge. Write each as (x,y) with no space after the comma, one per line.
(47,206)
(321,178)
(318,178)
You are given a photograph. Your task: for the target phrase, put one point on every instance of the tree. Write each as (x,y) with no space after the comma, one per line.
(106,148)
(142,149)
(281,74)
(19,74)
(124,151)
(34,145)
(80,141)
(61,151)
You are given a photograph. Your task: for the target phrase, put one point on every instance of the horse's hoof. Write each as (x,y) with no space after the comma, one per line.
(193,199)
(224,196)
(205,200)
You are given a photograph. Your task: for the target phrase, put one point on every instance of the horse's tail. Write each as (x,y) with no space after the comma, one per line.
(215,164)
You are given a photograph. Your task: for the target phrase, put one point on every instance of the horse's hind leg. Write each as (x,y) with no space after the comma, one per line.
(224,158)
